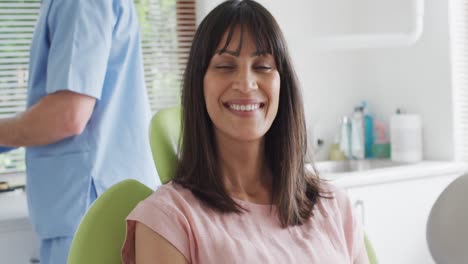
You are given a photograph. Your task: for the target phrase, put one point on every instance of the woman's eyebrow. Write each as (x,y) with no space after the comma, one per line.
(236,54)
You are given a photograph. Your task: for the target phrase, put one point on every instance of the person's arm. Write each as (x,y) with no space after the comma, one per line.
(362,258)
(151,248)
(55,117)
(80,34)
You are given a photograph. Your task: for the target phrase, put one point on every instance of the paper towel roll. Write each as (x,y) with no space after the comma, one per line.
(406,138)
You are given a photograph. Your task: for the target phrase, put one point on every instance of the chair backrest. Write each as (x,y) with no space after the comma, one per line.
(165,132)
(101,233)
(370,250)
(447,225)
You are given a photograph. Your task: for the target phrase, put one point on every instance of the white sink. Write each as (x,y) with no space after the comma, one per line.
(343,166)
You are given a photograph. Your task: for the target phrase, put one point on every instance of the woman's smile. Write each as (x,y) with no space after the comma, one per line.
(244,108)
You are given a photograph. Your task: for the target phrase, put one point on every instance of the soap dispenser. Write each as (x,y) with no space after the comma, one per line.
(368,131)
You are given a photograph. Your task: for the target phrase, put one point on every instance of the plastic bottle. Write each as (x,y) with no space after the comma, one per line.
(406,137)
(345,137)
(381,147)
(357,134)
(335,152)
(368,131)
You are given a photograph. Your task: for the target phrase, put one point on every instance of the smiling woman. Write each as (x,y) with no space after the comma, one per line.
(241,89)
(241,192)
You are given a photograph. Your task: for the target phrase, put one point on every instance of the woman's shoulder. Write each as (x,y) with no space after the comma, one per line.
(331,188)
(167,212)
(170,200)
(343,215)
(334,198)
(171,195)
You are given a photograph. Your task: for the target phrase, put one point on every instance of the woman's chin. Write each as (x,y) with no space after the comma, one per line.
(247,137)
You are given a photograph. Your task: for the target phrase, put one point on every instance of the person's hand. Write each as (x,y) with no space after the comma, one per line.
(5,149)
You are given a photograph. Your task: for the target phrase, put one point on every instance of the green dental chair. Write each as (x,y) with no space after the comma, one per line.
(164,141)
(101,233)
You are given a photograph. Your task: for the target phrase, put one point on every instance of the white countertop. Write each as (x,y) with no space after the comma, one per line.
(424,169)
(13,205)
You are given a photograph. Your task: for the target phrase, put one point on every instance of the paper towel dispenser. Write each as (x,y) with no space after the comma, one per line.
(370,8)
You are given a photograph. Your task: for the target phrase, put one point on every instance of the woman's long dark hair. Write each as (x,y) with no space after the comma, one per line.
(295,191)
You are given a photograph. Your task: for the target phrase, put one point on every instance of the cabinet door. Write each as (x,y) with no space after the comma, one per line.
(395,215)
(19,246)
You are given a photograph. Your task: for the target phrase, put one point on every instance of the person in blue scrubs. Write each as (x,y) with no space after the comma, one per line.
(86,125)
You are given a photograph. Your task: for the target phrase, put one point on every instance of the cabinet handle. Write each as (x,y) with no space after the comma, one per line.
(34,260)
(359,205)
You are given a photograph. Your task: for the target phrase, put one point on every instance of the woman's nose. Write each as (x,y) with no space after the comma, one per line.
(245,81)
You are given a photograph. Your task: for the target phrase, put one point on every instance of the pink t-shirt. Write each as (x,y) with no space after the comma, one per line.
(202,235)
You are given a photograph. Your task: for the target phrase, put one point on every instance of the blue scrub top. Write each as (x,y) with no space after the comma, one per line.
(91,47)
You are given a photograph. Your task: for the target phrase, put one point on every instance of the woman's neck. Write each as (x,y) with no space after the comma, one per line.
(245,172)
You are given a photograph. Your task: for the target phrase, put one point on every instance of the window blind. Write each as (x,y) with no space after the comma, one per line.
(17,21)
(167,28)
(459,61)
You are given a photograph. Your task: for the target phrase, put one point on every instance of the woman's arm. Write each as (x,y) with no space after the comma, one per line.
(362,258)
(151,248)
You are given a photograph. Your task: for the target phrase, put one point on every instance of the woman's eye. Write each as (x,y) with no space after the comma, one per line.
(224,67)
(263,68)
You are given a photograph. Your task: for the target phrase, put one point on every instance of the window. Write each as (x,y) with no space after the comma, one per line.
(17,20)
(167,29)
(459,58)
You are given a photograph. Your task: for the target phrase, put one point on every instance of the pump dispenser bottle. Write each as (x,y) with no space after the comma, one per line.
(368,131)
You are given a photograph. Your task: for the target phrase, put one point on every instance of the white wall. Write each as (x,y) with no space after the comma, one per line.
(416,78)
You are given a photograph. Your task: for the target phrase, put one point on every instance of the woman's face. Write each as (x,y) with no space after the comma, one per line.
(241,92)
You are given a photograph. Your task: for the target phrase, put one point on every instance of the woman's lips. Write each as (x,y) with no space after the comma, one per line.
(244,107)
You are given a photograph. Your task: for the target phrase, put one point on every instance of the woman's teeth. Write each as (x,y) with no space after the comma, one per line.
(249,107)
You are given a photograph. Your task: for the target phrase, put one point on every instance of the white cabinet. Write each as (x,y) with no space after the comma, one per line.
(18,242)
(395,215)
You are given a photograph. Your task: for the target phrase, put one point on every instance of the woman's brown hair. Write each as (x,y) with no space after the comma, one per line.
(295,191)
